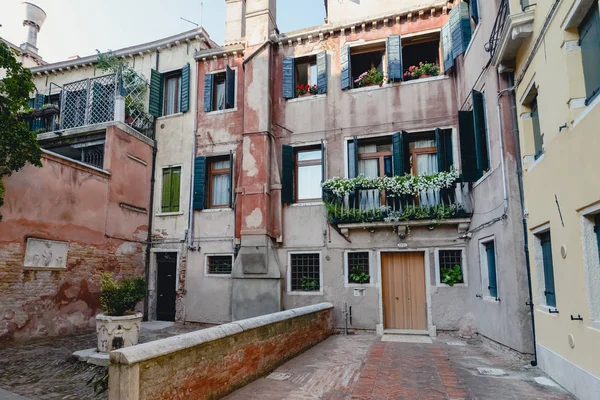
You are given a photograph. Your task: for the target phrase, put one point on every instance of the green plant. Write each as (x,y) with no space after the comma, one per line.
(309,284)
(452,276)
(49,105)
(117,298)
(369,78)
(423,69)
(358,275)
(99,382)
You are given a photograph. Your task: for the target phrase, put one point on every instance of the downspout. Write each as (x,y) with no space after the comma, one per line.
(150,213)
(513,111)
(195,149)
(503,165)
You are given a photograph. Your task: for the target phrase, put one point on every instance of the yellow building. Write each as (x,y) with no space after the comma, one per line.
(553,49)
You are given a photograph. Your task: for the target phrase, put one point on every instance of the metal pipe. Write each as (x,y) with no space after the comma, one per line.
(502,163)
(195,149)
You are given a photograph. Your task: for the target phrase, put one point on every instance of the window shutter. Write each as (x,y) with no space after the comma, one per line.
(394,53)
(38,102)
(589,40)
(288,78)
(549,290)
(443,140)
(156,93)
(460,28)
(166,190)
(481,148)
(287,175)
(468,157)
(185,89)
(353,158)
(398,154)
(446,37)
(322,72)
(597,231)
(491,261)
(175,187)
(229,87)
(199,182)
(345,68)
(474,9)
(231,168)
(208,92)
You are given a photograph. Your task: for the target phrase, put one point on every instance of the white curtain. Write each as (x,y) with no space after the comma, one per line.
(427,165)
(221,96)
(220,190)
(369,199)
(171,84)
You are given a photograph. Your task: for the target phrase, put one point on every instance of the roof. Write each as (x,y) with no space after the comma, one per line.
(23,52)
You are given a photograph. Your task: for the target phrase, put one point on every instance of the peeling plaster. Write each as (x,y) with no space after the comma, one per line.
(249,162)
(254,220)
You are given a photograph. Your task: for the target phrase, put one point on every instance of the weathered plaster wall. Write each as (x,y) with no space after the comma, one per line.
(70,202)
(351,10)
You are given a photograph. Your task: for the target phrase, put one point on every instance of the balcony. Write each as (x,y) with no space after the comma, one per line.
(514,24)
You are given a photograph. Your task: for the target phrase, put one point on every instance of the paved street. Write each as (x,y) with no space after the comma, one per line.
(364,367)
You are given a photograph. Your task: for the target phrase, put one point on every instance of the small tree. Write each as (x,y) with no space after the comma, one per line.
(18,144)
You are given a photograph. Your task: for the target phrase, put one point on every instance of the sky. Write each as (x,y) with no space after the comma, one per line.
(79,27)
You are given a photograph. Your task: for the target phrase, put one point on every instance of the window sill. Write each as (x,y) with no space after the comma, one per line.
(544,309)
(491,299)
(359,285)
(218,112)
(169,116)
(169,214)
(307,204)
(227,276)
(586,111)
(297,293)
(443,285)
(535,163)
(307,98)
(440,77)
(214,210)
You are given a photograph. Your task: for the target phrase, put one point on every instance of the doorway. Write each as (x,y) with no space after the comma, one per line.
(166,265)
(404,295)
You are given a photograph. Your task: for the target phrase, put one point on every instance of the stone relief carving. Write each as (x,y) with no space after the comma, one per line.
(46,253)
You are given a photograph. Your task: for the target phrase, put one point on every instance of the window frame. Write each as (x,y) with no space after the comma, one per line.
(540,269)
(372,269)
(463,266)
(214,99)
(369,47)
(210,173)
(484,268)
(309,60)
(213,275)
(179,208)
(540,239)
(590,240)
(307,163)
(289,290)
(176,74)
(536,128)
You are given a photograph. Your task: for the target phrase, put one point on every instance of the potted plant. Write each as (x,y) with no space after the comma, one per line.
(358,275)
(305,90)
(423,70)
(452,276)
(370,78)
(119,325)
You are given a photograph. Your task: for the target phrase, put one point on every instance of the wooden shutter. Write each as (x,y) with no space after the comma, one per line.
(166,190)
(443,141)
(155,107)
(209,80)
(353,158)
(323,166)
(38,101)
(199,182)
(231,191)
(446,39)
(481,145)
(229,87)
(398,154)
(185,89)
(597,231)
(474,11)
(287,174)
(345,68)
(549,290)
(394,54)
(288,78)
(460,28)
(175,188)
(589,40)
(322,72)
(490,251)
(468,156)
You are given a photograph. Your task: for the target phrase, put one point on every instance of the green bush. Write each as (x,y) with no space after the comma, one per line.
(116,298)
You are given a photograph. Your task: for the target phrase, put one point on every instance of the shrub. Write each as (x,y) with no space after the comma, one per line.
(116,298)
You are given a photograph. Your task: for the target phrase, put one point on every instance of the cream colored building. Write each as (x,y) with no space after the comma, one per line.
(554,48)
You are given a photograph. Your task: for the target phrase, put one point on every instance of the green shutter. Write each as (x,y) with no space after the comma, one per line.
(538,141)
(185,89)
(353,158)
(175,188)
(199,182)
(549,290)
(287,77)
(490,251)
(474,9)
(460,28)
(166,190)
(39,100)
(209,80)
(468,156)
(156,93)
(446,39)
(231,168)
(589,40)
(322,72)
(398,154)
(394,54)
(287,174)
(345,68)
(443,140)
(480,125)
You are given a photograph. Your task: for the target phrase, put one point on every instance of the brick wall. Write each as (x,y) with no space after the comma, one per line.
(211,363)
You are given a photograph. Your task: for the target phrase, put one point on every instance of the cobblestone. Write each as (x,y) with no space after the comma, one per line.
(46,370)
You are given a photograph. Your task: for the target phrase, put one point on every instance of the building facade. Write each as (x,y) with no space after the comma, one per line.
(556,79)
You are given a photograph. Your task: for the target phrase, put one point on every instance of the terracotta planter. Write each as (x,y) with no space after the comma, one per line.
(117,332)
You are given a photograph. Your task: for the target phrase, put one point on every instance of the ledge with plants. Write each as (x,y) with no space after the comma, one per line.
(306,90)
(371,77)
(421,71)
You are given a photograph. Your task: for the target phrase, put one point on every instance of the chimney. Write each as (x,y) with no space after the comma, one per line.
(261,21)
(34,19)
(235,21)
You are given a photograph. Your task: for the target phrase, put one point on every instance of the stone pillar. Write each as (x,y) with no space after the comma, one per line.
(119,108)
(235,21)
(256,273)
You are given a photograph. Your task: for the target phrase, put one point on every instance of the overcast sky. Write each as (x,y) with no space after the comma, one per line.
(79,27)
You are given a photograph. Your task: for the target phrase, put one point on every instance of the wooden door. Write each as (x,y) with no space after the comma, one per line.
(166,282)
(403,286)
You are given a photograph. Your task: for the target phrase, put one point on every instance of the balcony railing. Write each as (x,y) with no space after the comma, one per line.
(499,26)
(373,205)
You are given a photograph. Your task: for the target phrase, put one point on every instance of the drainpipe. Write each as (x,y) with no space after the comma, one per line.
(503,166)
(190,243)
(513,111)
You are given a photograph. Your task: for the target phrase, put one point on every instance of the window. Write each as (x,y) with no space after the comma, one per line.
(219,90)
(548,268)
(302,173)
(305,272)
(219,265)
(88,150)
(488,268)
(218,99)
(456,34)
(423,50)
(172,89)
(538,139)
(473,12)
(304,71)
(365,58)
(448,260)
(219,187)
(589,40)
(171,184)
(358,267)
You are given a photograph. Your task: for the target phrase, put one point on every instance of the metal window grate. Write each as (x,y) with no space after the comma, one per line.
(305,272)
(89,101)
(219,265)
(358,263)
(449,259)
(93,155)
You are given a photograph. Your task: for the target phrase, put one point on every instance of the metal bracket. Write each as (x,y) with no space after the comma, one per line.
(578,318)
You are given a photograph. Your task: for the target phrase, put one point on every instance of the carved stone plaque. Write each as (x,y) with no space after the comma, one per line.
(46,253)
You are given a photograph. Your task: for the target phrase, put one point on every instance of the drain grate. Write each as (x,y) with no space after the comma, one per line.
(491,371)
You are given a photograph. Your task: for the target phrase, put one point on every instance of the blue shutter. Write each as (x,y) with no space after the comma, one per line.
(322,72)
(287,174)
(460,28)
(353,158)
(38,102)
(229,87)
(474,9)
(549,290)
(199,182)
(323,154)
(345,68)
(398,154)
(288,78)
(155,107)
(185,89)
(468,155)
(479,123)
(490,251)
(208,92)
(447,57)
(589,40)
(394,53)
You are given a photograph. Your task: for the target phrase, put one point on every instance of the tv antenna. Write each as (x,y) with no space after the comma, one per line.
(192,22)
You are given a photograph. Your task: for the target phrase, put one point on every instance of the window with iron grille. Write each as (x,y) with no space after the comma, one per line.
(305,272)
(219,265)
(448,260)
(358,267)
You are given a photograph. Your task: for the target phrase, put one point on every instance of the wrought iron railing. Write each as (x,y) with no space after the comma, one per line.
(373,205)
(498,28)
